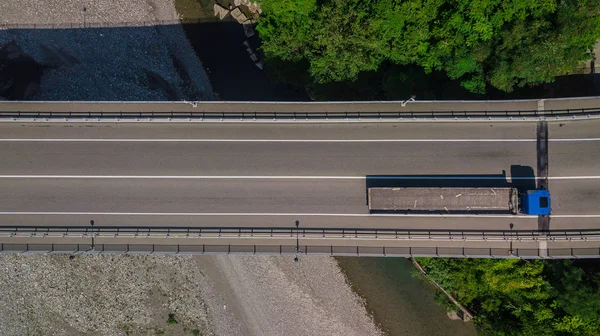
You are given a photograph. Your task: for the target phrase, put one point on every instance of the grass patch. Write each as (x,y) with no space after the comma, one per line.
(193,11)
(171,319)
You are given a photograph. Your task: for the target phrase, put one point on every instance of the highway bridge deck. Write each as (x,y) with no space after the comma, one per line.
(255,175)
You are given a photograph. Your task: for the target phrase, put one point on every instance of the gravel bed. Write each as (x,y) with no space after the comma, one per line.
(208,295)
(135,50)
(99,294)
(276,296)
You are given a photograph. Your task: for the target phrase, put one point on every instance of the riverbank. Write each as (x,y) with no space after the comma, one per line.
(104,50)
(400,303)
(219,44)
(271,295)
(135,295)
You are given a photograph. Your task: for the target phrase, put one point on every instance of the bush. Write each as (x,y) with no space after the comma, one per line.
(171,319)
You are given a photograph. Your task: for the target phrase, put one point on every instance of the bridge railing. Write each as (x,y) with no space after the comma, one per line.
(303,250)
(287,232)
(580,113)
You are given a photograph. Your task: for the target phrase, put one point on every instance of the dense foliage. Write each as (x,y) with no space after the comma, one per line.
(500,43)
(518,297)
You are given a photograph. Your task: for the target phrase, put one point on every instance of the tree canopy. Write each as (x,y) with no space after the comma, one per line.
(518,297)
(500,43)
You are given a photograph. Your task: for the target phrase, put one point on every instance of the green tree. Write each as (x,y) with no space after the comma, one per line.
(502,43)
(517,297)
(336,37)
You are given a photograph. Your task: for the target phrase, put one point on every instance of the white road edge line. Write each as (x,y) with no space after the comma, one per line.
(296,140)
(18,213)
(221,214)
(248,177)
(575,216)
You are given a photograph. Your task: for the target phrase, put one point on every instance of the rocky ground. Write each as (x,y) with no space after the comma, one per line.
(100,295)
(205,295)
(276,296)
(106,49)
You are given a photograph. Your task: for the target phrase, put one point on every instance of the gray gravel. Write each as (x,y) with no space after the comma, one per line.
(99,294)
(216,295)
(275,296)
(140,54)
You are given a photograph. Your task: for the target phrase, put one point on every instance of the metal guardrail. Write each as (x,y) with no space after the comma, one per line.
(307,250)
(582,113)
(287,232)
(202,247)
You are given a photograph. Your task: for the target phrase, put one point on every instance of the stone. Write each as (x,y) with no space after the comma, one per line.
(220,11)
(453,315)
(248,29)
(239,16)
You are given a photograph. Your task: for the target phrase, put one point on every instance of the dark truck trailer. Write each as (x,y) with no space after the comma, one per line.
(459,200)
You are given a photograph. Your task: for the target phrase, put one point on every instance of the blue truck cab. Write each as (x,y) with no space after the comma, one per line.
(535,202)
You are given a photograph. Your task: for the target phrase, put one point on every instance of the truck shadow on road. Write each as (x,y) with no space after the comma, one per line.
(521,177)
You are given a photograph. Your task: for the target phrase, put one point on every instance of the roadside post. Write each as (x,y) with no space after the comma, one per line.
(296,259)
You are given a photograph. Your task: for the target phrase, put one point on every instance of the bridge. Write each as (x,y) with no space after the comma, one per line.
(291,178)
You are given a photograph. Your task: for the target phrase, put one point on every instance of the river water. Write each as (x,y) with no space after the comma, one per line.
(400,303)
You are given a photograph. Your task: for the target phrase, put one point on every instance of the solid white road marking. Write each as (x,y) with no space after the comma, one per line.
(575,216)
(564,178)
(50,213)
(266,177)
(54,213)
(219,214)
(296,140)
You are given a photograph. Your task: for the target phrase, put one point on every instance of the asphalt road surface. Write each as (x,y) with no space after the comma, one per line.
(272,175)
